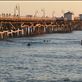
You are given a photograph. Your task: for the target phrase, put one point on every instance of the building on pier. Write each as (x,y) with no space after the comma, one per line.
(60,18)
(80,16)
(29,16)
(76,18)
(68,16)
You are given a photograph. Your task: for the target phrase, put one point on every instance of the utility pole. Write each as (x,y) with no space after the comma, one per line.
(53,14)
(17,11)
(36,12)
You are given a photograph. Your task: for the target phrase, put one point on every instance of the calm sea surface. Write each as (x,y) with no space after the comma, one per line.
(49,58)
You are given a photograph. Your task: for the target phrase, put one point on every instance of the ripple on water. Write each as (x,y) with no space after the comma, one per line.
(58,59)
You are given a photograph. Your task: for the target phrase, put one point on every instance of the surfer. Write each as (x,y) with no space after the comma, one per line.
(28,44)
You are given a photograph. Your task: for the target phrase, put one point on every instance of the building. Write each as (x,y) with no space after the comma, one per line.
(60,18)
(29,16)
(76,18)
(80,16)
(68,16)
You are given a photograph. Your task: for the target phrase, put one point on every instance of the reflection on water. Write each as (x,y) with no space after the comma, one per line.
(49,58)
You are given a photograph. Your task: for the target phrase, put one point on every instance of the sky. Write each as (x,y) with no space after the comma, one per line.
(29,7)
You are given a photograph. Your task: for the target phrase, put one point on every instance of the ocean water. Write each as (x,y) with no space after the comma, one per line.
(49,58)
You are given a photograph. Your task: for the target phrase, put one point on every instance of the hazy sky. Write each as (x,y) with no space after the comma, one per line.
(29,7)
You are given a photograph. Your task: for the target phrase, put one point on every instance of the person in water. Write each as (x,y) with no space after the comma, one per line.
(28,44)
(45,40)
(81,42)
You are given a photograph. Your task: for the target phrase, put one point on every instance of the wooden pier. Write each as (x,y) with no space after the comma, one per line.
(31,26)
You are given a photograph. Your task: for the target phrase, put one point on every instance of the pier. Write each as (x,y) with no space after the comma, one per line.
(31,26)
